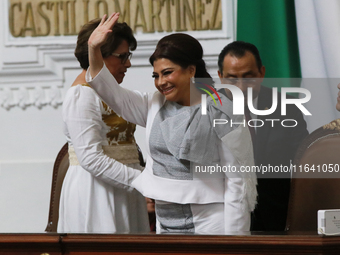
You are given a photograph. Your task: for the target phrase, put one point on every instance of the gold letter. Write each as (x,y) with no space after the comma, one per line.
(11,19)
(153,16)
(56,15)
(73,17)
(200,11)
(64,7)
(214,16)
(124,15)
(141,10)
(45,17)
(168,15)
(86,11)
(191,15)
(97,8)
(29,15)
(178,16)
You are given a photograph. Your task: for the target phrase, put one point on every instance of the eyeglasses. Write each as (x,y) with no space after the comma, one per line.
(123,56)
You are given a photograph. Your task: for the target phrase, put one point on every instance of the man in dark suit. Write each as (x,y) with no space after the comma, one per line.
(274,144)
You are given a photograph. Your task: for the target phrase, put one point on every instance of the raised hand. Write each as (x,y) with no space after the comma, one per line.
(100,34)
(97,39)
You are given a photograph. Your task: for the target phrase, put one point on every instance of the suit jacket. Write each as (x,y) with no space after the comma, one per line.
(275,146)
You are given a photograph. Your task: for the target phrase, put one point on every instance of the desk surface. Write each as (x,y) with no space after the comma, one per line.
(107,244)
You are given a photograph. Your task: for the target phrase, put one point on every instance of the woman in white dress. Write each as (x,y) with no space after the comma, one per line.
(101,143)
(180,138)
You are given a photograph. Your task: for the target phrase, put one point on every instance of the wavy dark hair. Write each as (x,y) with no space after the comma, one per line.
(120,32)
(183,50)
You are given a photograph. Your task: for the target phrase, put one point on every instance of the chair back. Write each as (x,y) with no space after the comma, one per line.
(318,189)
(61,165)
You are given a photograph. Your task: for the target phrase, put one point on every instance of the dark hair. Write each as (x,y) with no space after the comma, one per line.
(239,49)
(120,32)
(183,50)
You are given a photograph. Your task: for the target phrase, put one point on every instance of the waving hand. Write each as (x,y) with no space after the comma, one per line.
(97,39)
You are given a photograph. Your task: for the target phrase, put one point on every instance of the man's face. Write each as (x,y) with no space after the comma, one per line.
(243,73)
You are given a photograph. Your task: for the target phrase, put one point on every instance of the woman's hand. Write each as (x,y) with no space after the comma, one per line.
(97,39)
(100,34)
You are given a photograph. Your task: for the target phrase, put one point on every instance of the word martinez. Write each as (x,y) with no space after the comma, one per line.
(238,106)
(66,17)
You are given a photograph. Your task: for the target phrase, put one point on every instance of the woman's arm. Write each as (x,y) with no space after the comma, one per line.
(82,116)
(131,105)
(236,212)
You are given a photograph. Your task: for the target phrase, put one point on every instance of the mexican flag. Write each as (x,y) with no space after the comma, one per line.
(298,39)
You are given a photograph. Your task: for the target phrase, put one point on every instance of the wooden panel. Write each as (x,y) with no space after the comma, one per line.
(256,243)
(100,244)
(30,244)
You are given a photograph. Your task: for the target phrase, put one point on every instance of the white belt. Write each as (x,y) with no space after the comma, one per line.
(125,153)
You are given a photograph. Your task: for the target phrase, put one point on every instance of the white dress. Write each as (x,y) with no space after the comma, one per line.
(185,201)
(93,198)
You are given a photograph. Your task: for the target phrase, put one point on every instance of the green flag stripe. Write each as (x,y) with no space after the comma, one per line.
(271,26)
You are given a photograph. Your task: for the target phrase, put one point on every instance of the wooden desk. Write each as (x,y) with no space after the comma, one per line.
(102,244)
(30,244)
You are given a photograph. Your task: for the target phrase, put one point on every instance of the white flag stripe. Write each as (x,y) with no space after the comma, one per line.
(318,26)
(311,58)
(328,18)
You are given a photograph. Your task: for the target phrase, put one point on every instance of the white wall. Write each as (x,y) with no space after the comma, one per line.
(34,75)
